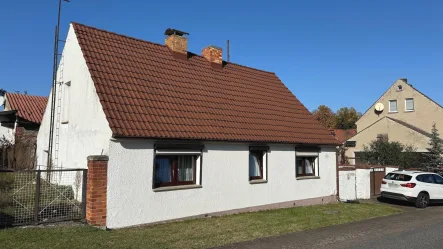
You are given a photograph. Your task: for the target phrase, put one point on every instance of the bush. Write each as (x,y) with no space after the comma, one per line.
(6,181)
(6,186)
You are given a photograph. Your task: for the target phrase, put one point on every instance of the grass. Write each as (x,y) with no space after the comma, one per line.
(197,233)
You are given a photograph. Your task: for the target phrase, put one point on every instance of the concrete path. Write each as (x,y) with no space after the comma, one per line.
(416,228)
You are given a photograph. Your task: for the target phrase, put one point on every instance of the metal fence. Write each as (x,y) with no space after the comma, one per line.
(42,196)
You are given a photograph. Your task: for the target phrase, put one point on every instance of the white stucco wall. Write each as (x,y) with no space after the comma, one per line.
(87,131)
(363,183)
(6,132)
(347,185)
(225,184)
(390,169)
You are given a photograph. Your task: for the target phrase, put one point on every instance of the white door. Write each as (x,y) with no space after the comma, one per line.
(439,187)
(427,183)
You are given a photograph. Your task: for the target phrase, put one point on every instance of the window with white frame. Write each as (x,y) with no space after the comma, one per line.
(393,106)
(177,165)
(409,104)
(258,162)
(307,163)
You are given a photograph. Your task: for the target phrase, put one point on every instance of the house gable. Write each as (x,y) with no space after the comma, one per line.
(79,118)
(425,113)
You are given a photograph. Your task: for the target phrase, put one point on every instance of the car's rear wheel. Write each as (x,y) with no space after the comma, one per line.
(422,200)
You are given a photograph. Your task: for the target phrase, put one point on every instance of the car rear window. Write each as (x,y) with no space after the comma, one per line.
(398,177)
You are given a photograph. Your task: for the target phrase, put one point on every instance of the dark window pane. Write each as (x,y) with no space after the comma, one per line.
(428,178)
(163,170)
(398,177)
(438,179)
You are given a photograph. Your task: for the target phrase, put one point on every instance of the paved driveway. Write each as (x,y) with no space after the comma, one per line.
(416,228)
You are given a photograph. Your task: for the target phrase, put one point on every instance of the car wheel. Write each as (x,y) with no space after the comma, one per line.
(422,200)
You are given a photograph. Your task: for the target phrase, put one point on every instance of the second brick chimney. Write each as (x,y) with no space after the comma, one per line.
(213,54)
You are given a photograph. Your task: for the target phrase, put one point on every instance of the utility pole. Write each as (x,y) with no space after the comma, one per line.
(54,82)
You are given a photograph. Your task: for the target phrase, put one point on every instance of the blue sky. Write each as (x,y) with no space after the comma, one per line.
(338,53)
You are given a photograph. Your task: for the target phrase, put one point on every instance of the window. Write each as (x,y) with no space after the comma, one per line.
(177,165)
(306,166)
(306,163)
(393,106)
(175,170)
(428,178)
(383,137)
(409,105)
(258,162)
(438,179)
(256,165)
(398,177)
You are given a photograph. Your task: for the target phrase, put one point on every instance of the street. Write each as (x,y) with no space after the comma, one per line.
(416,228)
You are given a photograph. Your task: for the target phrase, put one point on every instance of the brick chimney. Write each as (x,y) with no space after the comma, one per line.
(176,41)
(213,54)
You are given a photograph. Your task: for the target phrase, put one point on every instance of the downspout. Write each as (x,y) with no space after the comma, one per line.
(337,175)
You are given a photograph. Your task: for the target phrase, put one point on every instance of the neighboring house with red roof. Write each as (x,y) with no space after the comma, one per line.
(21,113)
(186,134)
(343,134)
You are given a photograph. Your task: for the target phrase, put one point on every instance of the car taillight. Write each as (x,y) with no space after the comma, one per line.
(408,185)
(383,182)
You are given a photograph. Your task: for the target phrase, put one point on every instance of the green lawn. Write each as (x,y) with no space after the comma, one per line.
(197,233)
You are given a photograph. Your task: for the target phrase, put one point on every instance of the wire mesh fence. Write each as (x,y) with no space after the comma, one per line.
(40,196)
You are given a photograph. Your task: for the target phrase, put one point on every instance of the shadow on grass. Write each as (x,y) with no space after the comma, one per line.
(6,220)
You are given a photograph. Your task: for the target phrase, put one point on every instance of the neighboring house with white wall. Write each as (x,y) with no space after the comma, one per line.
(186,134)
(401,114)
(22,114)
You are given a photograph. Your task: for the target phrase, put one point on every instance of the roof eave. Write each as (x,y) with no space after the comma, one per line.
(296,144)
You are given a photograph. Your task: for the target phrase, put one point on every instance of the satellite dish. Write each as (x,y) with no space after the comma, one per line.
(379,107)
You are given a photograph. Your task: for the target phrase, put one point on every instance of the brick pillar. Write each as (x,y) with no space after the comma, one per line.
(96,190)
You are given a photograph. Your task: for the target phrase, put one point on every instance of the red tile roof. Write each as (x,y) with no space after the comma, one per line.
(342,135)
(146,92)
(28,107)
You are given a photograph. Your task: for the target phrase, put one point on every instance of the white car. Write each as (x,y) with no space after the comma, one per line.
(417,187)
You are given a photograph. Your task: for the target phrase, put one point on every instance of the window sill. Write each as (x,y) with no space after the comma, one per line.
(171,188)
(307,177)
(409,110)
(258,181)
(393,112)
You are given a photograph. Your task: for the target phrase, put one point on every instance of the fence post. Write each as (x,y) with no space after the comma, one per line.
(96,190)
(37,196)
(84,189)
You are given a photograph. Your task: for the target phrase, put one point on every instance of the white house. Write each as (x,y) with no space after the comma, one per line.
(186,134)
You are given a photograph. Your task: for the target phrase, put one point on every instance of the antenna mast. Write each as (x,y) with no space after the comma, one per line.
(54,83)
(227,48)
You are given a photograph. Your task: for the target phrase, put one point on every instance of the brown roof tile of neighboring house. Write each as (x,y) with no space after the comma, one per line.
(28,107)
(343,134)
(146,92)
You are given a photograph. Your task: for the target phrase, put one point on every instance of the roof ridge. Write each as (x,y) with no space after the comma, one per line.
(162,45)
(22,94)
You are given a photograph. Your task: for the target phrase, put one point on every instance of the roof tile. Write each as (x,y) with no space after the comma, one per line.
(28,107)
